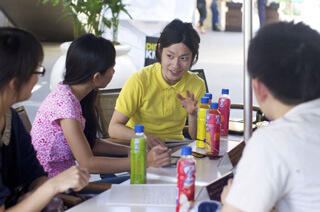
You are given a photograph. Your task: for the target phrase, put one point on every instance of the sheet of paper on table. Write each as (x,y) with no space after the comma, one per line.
(160,195)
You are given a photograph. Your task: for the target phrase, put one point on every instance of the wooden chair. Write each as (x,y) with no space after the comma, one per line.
(200,73)
(106,102)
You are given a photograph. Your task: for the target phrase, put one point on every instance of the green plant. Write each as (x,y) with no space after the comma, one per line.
(115,6)
(87,14)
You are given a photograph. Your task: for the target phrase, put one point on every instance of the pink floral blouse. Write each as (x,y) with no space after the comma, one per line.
(48,139)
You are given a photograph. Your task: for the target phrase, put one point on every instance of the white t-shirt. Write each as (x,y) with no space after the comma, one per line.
(280,165)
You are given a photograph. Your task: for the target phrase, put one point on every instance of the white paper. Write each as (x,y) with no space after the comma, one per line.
(160,195)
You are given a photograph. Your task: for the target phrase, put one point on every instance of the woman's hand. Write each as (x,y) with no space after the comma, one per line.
(189,103)
(158,156)
(153,141)
(75,178)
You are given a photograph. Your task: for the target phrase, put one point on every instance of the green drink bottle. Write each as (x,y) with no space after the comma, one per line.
(138,156)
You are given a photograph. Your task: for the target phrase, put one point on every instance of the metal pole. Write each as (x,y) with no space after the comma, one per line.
(247,87)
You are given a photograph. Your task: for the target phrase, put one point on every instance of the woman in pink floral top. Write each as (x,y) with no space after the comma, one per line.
(53,150)
(65,128)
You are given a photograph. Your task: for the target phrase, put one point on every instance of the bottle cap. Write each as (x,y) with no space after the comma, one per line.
(138,128)
(214,105)
(186,150)
(209,95)
(204,100)
(225,91)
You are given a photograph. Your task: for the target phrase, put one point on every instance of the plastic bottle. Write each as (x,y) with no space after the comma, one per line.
(138,156)
(209,95)
(201,122)
(213,130)
(186,179)
(224,108)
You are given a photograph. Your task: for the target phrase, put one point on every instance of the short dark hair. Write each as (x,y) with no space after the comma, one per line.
(20,55)
(86,56)
(179,32)
(286,58)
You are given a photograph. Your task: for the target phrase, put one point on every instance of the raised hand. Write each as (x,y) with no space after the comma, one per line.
(189,103)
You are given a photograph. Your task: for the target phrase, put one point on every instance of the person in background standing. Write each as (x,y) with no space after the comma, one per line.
(215,15)
(262,11)
(202,8)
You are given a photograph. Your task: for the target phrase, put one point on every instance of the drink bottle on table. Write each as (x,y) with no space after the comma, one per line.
(213,130)
(138,156)
(185,179)
(201,122)
(224,108)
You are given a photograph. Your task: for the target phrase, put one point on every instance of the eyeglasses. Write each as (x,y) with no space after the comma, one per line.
(40,70)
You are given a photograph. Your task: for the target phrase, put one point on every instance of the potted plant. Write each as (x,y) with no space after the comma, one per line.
(115,7)
(89,15)
(92,16)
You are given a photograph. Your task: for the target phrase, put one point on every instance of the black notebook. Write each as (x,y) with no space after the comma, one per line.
(215,188)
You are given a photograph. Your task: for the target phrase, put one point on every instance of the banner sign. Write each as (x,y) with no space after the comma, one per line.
(150,50)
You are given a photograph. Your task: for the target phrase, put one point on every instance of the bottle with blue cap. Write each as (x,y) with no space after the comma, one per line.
(209,95)
(138,156)
(201,122)
(224,108)
(213,130)
(186,178)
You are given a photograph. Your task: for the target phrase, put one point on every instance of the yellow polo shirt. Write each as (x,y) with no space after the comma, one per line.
(148,99)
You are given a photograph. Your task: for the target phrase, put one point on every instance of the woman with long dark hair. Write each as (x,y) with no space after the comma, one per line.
(21,176)
(65,128)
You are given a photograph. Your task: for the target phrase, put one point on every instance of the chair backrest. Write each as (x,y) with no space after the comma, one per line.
(106,102)
(200,73)
(24,117)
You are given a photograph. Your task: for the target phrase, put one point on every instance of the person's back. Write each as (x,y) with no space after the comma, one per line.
(279,166)
(289,149)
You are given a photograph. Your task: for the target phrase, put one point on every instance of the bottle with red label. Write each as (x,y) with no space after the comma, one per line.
(213,130)
(224,108)
(186,174)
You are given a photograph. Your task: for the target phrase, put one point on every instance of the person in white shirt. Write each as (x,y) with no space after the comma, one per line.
(280,164)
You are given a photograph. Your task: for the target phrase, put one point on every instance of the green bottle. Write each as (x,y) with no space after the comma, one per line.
(138,156)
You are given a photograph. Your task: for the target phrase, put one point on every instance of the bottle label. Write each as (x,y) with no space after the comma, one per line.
(185,184)
(138,161)
(224,108)
(213,134)
(201,124)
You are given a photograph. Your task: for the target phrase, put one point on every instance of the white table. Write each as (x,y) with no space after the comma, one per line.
(163,181)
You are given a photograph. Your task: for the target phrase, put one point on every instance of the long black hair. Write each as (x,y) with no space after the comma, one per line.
(20,55)
(86,56)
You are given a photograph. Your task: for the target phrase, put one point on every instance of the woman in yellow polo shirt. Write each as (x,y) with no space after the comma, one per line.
(161,96)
